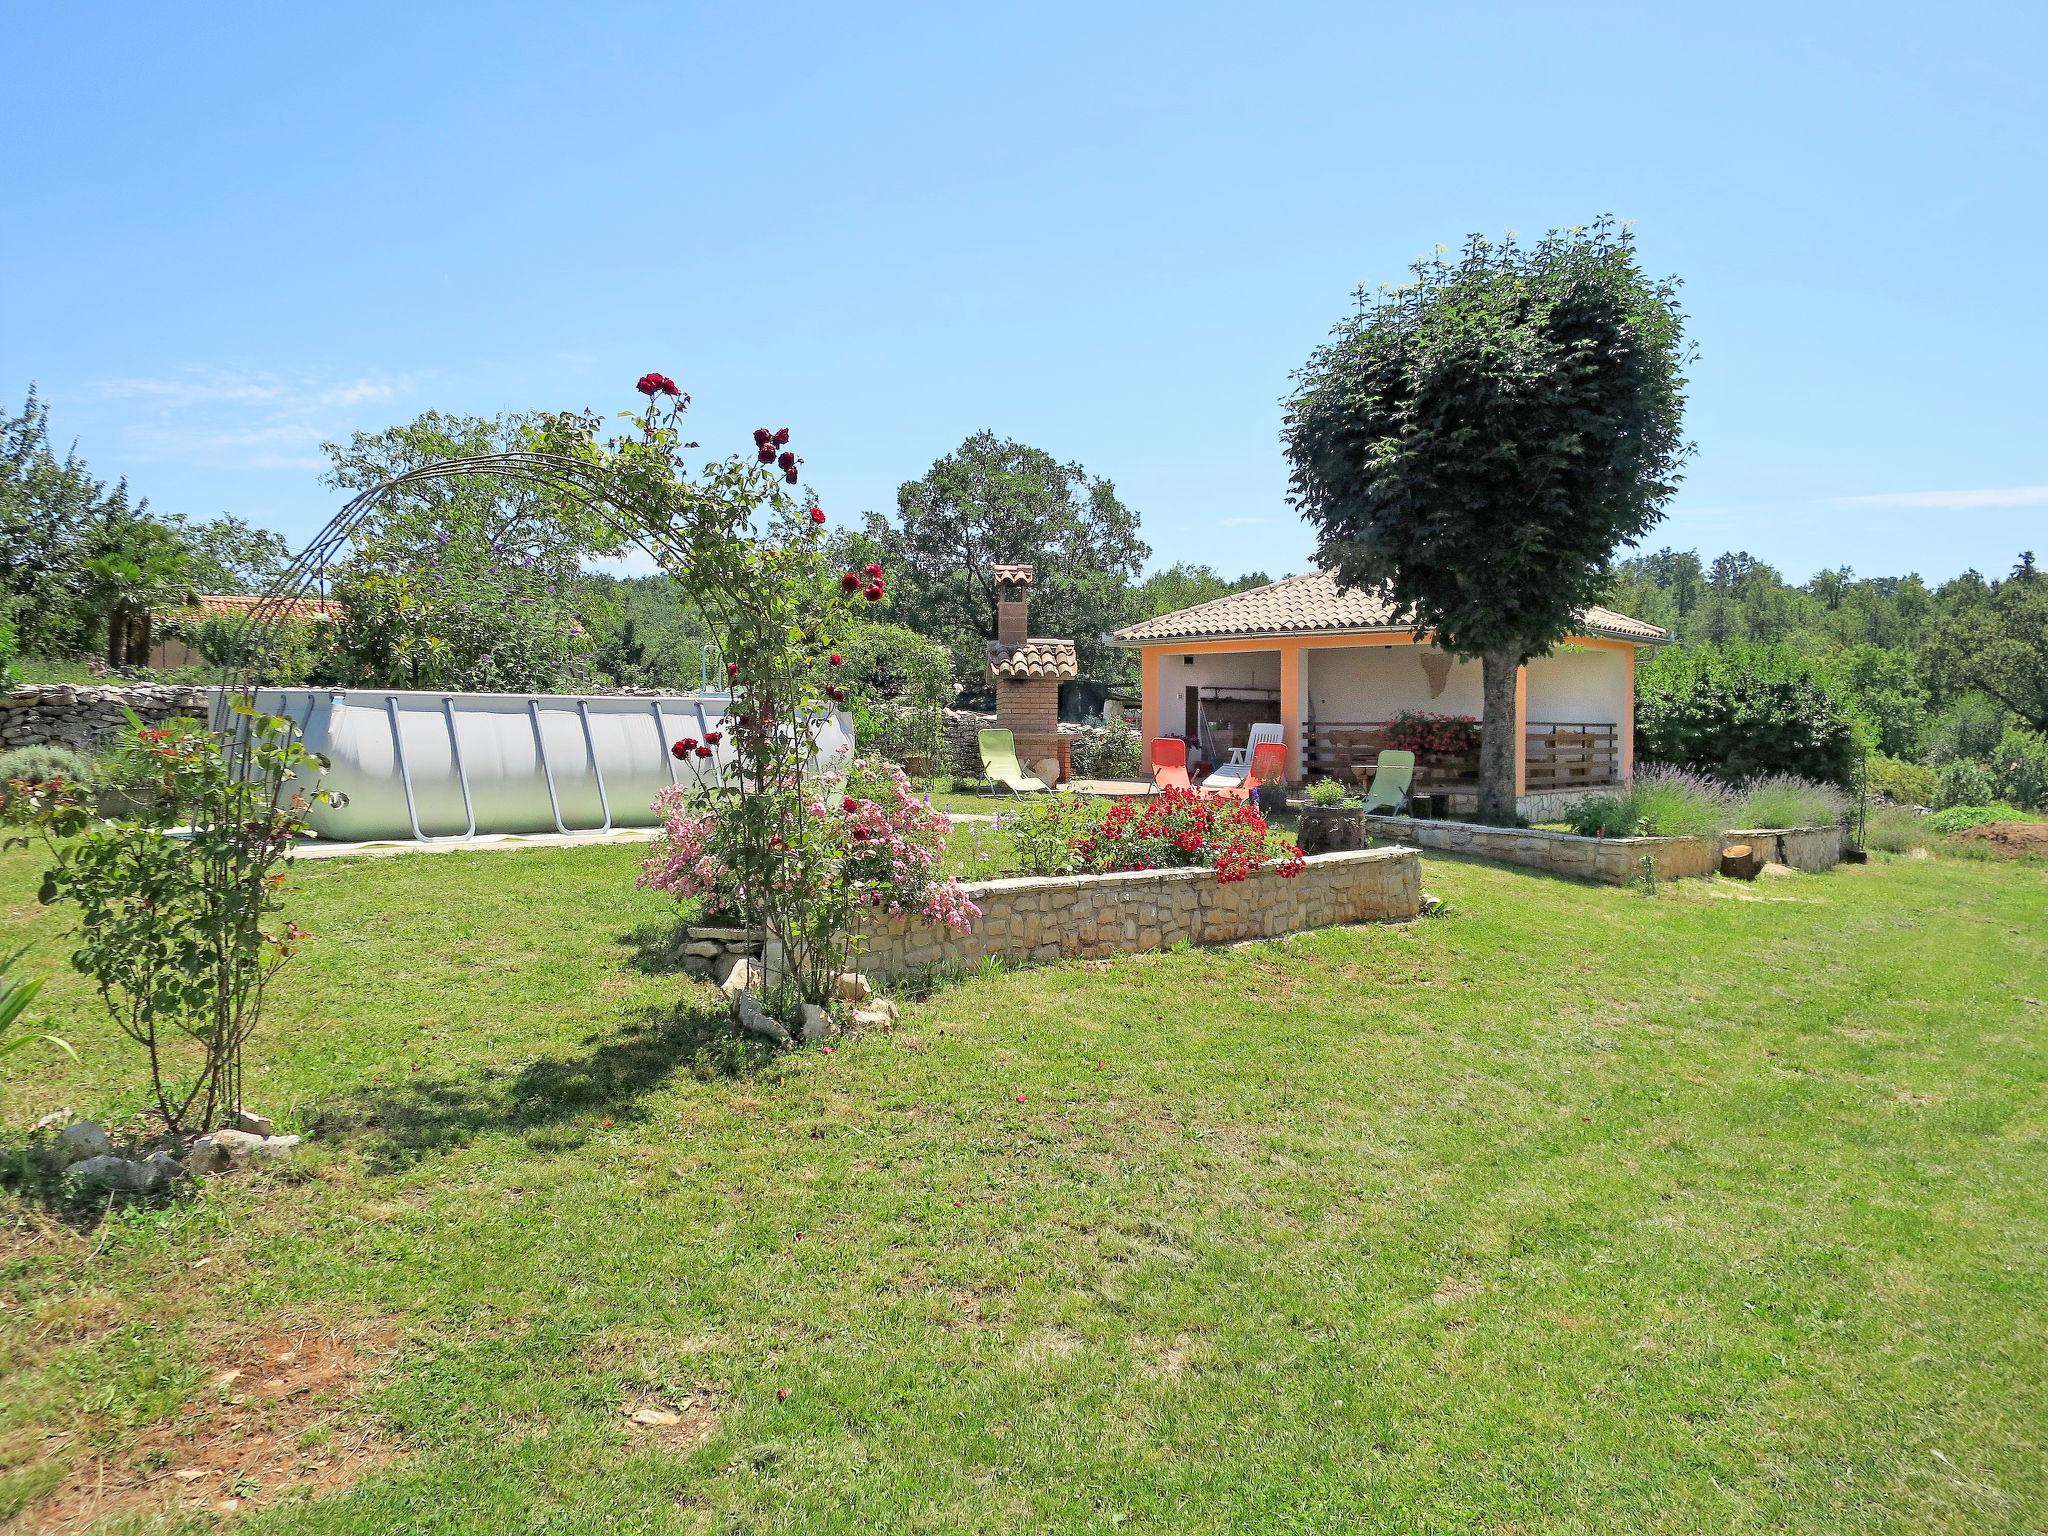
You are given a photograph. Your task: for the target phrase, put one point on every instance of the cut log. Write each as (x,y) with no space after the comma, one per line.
(1740,861)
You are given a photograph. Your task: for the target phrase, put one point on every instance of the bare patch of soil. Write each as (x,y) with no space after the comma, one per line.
(272,1422)
(2012,837)
(676,1426)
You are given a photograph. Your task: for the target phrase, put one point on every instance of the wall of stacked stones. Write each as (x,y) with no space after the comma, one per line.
(1093,916)
(1612,860)
(87,719)
(963,740)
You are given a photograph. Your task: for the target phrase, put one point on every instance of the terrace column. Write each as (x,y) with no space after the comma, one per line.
(1294,704)
(1521,730)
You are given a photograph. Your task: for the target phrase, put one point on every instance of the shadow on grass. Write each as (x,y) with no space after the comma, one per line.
(656,949)
(552,1102)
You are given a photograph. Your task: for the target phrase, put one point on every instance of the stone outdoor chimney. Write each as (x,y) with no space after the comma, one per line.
(1028,674)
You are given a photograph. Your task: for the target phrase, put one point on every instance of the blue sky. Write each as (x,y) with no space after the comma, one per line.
(1108,230)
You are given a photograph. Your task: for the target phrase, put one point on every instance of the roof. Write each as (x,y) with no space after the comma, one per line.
(1312,604)
(1034,658)
(231,605)
(1014,575)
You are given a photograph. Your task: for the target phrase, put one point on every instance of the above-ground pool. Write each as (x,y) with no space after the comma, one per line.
(442,765)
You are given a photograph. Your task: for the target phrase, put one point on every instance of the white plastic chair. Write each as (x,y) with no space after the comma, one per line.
(1241,757)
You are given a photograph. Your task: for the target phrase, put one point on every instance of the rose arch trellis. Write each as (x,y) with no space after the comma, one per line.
(572,479)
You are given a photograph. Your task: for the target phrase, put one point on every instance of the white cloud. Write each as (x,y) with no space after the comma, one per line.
(221,418)
(1952,501)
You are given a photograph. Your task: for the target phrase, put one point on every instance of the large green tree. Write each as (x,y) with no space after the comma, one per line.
(995,502)
(1994,641)
(1480,440)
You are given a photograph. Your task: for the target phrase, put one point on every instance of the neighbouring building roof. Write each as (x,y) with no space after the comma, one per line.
(1034,658)
(228,605)
(1014,575)
(1312,604)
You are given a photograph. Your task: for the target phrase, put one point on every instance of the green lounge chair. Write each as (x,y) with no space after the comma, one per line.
(1392,777)
(999,762)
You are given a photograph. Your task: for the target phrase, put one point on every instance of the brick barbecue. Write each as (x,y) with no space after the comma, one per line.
(1028,673)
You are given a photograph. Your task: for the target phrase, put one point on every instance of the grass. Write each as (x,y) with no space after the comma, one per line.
(1574,1211)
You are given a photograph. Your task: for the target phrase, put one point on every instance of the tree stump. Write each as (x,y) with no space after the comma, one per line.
(1741,861)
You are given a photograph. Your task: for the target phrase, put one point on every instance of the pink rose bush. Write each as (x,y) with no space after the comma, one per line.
(885,842)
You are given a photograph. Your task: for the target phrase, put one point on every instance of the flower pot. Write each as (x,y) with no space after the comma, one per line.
(1331,829)
(919,766)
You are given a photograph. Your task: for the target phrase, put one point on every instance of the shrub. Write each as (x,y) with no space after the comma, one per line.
(1785,800)
(1112,750)
(1900,782)
(1892,829)
(1419,731)
(8,651)
(1969,727)
(1045,834)
(39,765)
(1328,793)
(1742,712)
(900,683)
(1960,818)
(2019,768)
(1964,781)
(1663,802)
(1184,830)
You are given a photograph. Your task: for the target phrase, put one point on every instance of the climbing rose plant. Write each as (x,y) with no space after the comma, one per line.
(751,826)
(1420,731)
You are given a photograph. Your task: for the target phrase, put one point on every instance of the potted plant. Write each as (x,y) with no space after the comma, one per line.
(1331,822)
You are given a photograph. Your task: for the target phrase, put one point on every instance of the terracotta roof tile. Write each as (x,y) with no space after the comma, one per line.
(234,605)
(1311,604)
(1014,576)
(1034,658)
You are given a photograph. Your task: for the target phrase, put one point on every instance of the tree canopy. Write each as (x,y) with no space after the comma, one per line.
(993,501)
(1481,440)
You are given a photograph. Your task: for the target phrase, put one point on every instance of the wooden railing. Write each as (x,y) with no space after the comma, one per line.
(1566,756)
(1561,755)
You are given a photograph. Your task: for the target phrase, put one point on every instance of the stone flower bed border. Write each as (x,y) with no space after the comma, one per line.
(1096,916)
(1612,860)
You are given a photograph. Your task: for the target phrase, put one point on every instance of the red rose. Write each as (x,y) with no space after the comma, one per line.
(860,834)
(781,436)
(838,660)
(703,751)
(649,383)
(850,582)
(817,514)
(732,669)
(873,594)
(875,571)
(788,460)
(789,475)
(667,386)
(838,695)
(681,750)
(763,437)
(767,454)
(713,738)
(849,804)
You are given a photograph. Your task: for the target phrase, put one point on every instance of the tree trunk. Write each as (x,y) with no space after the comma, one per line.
(1497,732)
(117,636)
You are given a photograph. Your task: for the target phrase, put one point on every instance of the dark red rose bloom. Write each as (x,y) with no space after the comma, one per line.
(788,460)
(781,437)
(713,738)
(732,669)
(849,804)
(838,660)
(767,453)
(873,594)
(838,695)
(744,720)
(763,437)
(874,571)
(860,834)
(666,385)
(649,385)
(789,475)
(850,581)
(817,514)
(703,751)
(681,749)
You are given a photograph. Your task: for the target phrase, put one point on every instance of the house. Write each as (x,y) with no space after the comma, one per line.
(171,645)
(1334,666)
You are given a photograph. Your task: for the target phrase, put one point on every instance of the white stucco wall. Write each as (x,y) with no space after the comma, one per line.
(1579,687)
(1178,672)
(1374,682)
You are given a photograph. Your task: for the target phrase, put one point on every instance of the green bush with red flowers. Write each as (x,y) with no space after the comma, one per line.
(1432,735)
(1181,829)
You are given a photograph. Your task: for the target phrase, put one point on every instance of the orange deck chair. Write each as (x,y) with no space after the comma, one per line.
(1170,763)
(1268,766)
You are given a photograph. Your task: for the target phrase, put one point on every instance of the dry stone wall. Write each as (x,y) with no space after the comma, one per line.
(1610,860)
(87,719)
(1093,916)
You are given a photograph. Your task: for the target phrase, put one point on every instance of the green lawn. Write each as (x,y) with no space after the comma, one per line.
(1573,1211)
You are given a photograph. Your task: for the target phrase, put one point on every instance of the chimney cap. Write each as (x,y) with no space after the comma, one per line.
(1014,575)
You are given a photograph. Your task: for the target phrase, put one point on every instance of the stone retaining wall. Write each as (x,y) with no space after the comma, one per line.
(87,719)
(1612,860)
(1091,916)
